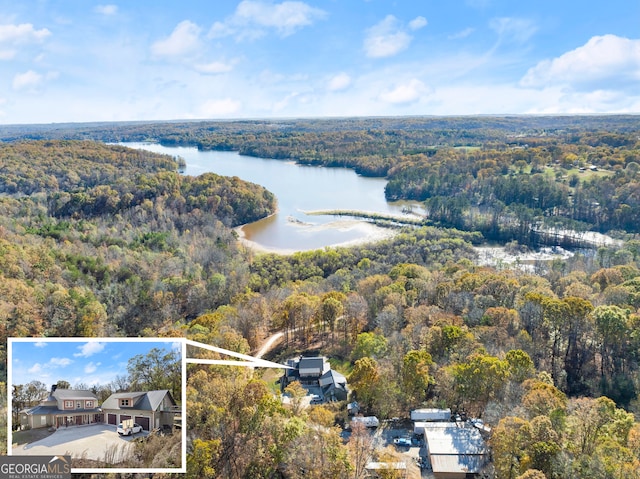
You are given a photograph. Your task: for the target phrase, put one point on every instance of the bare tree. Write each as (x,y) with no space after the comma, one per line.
(360,448)
(120,384)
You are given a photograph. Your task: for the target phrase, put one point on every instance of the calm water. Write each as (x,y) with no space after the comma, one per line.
(299,189)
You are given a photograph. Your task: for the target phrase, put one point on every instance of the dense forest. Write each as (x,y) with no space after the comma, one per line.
(98,239)
(506,177)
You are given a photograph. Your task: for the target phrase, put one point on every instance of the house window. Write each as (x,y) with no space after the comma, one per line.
(124,402)
(78,404)
(88,404)
(68,404)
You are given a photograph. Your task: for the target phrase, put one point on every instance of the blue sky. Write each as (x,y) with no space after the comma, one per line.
(77,60)
(76,361)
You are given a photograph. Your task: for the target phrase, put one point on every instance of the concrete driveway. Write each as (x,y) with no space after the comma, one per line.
(100,442)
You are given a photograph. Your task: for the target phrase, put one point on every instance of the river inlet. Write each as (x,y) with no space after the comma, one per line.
(299,189)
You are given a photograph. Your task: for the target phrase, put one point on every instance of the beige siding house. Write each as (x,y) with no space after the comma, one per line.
(63,408)
(150,409)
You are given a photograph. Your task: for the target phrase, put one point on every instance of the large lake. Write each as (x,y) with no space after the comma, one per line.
(299,189)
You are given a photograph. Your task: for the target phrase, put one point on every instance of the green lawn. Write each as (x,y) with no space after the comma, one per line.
(587,174)
(32,435)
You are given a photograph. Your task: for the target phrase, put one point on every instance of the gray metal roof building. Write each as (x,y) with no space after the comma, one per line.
(456,450)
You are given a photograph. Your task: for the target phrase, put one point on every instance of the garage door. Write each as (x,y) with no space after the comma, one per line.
(124,417)
(111,419)
(143,421)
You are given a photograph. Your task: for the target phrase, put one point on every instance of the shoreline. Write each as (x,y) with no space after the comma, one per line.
(374,234)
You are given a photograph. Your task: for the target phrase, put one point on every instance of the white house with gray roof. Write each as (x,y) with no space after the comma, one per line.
(150,409)
(63,408)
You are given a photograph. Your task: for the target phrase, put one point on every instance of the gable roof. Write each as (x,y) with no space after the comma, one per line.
(335,377)
(73,394)
(147,400)
(311,363)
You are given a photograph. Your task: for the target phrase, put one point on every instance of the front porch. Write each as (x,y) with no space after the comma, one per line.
(78,419)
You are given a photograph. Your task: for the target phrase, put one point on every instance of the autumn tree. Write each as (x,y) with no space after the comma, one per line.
(477,380)
(520,365)
(200,459)
(365,380)
(597,437)
(611,324)
(369,345)
(509,442)
(542,398)
(318,454)
(296,393)
(578,354)
(532,474)
(331,308)
(416,377)
(544,446)
(299,311)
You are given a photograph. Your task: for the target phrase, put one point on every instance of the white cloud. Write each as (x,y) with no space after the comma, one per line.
(7,54)
(36,368)
(214,68)
(184,39)
(27,80)
(608,59)
(106,9)
(23,33)
(252,18)
(31,80)
(418,23)
(221,29)
(89,349)
(408,92)
(218,108)
(518,30)
(461,34)
(339,82)
(40,344)
(268,76)
(386,38)
(91,367)
(283,104)
(13,35)
(285,17)
(60,362)
(554,100)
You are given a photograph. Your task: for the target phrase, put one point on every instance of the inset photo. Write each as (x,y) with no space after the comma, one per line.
(113,405)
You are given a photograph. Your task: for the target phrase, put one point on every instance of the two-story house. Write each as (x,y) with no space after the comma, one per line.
(315,374)
(63,407)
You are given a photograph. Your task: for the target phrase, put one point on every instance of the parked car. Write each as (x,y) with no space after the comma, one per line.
(402,442)
(127,431)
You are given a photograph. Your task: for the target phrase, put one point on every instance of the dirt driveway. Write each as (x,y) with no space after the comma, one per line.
(97,441)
